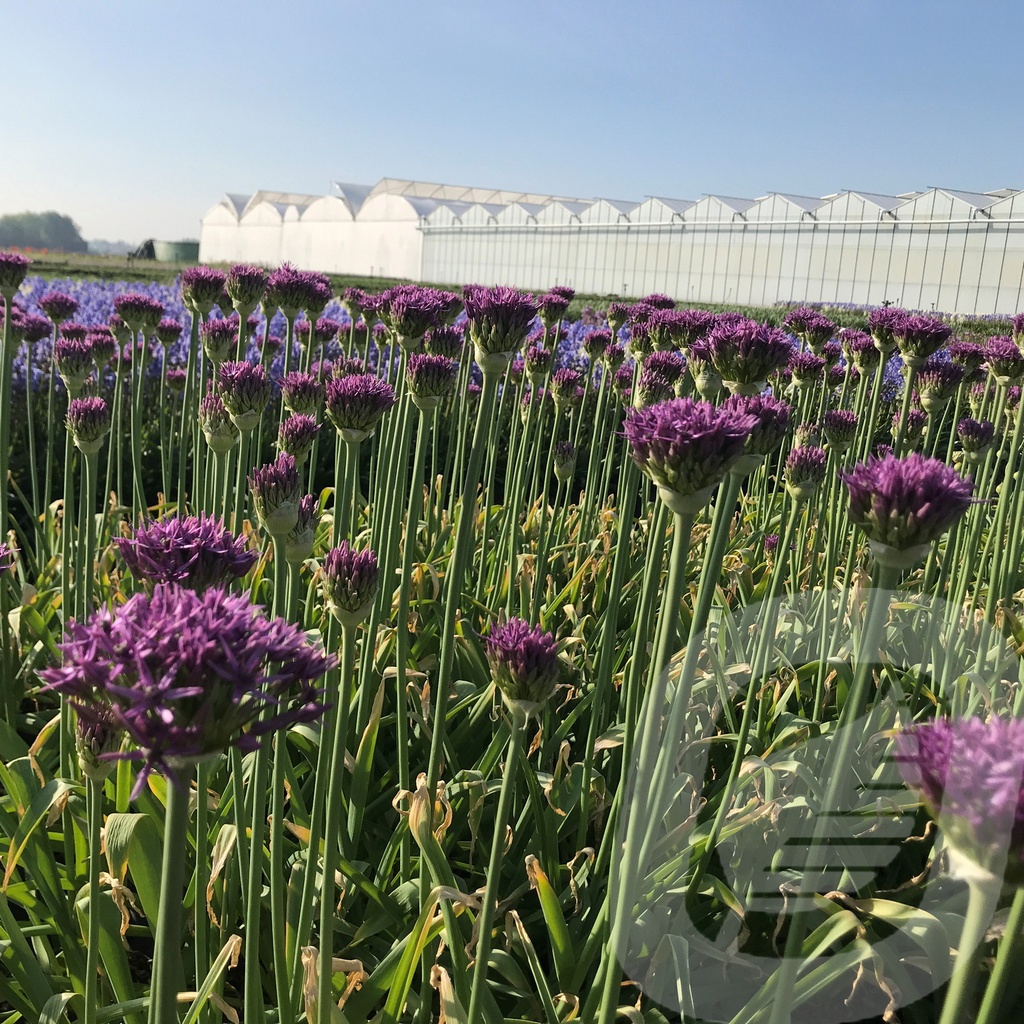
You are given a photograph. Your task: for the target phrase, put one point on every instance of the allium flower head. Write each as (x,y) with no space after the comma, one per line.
(881,324)
(499,321)
(595,342)
(564,291)
(772,421)
(177,376)
(219,338)
(613,356)
(287,289)
(216,424)
(74,363)
(245,286)
(13,268)
(622,382)
(771,543)
(74,331)
(805,471)
(913,432)
(567,388)
(88,423)
(245,391)
(667,364)
(687,447)
(746,354)
(919,337)
(967,354)
(524,665)
(201,287)
(97,739)
(188,675)
(302,393)
(564,460)
(937,382)
(905,504)
(656,300)
(551,308)
(197,552)
(807,369)
(355,404)
(840,429)
(617,316)
(138,311)
(1017,326)
(58,306)
(430,379)
(298,545)
(7,558)
(296,435)
(651,387)
(975,436)
(168,331)
(444,341)
(350,580)
(1005,362)
(641,344)
(34,328)
(969,774)
(276,490)
(538,362)
(694,325)
(807,435)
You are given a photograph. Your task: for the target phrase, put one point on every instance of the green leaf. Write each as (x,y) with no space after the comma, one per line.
(133,845)
(558,931)
(49,800)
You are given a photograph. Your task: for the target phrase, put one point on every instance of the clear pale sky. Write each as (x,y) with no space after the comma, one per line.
(135,116)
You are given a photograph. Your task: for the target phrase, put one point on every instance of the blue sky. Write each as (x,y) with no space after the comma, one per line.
(134,116)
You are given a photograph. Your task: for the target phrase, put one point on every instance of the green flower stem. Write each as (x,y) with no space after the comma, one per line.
(599,445)
(94,814)
(624,869)
(51,424)
(139,363)
(202,920)
(1007,964)
(333,829)
(163,1000)
(982,899)
(6,374)
(871,425)
(165,432)
(489,484)
(85,549)
(116,435)
(908,394)
(515,499)
(485,920)
(542,517)
(840,753)
(259,782)
(30,427)
(241,483)
(188,438)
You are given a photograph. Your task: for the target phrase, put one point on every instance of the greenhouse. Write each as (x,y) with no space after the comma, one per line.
(941,249)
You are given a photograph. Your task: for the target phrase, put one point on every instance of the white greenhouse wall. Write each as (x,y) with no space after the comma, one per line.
(943,250)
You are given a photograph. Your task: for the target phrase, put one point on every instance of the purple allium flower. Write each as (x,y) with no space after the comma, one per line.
(196,552)
(97,740)
(807,369)
(325,329)
(937,382)
(524,665)
(567,388)
(245,286)
(919,337)
(613,356)
(1017,326)
(355,404)
(58,306)
(74,331)
(219,338)
(538,362)
(687,447)
(88,423)
(302,393)
(669,365)
(216,423)
(245,391)
(177,377)
(13,268)
(499,321)
(970,776)
(74,363)
(103,345)
(187,675)
(296,435)
(694,325)
(1005,362)
(595,342)
(350,580)
(656,300)
(805,471)
(796,320)
(617,316)
(641,344)
(651,387)
(771,543)
(276,490)
(298,545)
(831,352)
(168,331)
(35,328)
(343,367)
(746,354)
(201,287)
(430,379)
(975,436)
(903,504)
(1013,393)
(564,291)
(354,300)
(564,460)
(772,421)
(551,308)
(913,432)
(881,324)
(967,354)
(444,341)
(138,311)
(622,382)
(287,289)
(840,428)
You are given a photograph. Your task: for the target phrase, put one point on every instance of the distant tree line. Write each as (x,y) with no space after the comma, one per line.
(50,230)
